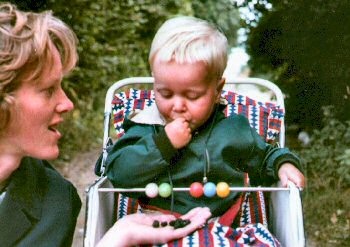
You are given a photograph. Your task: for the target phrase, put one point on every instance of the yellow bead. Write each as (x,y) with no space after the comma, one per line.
(222,189)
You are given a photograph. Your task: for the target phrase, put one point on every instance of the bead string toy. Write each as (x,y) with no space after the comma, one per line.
(206,167)
(196,189)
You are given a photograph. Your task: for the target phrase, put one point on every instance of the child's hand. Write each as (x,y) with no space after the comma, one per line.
(289,172)
(178,132)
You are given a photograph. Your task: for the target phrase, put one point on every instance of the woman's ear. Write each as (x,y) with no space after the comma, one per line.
(219,87)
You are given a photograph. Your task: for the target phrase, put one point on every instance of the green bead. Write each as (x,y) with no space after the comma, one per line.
(164,190)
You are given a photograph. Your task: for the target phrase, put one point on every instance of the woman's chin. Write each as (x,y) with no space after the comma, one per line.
(49,154)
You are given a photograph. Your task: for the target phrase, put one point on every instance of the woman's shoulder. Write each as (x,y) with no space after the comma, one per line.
(35,167)
(38,194)
(47,178)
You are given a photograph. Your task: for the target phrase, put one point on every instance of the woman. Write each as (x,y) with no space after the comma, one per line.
(37,50)
(38,207)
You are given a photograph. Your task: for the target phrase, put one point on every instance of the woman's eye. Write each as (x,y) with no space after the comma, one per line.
(49,91)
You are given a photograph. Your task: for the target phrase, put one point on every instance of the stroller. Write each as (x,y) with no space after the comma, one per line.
(282,212)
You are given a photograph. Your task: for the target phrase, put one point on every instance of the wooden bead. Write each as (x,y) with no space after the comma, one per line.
(151,190)
(222,189)
(164,190)
(209,189)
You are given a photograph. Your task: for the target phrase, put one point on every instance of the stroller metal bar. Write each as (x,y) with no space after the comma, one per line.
(179,189)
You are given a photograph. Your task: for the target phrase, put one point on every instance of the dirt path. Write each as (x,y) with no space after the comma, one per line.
(80,171)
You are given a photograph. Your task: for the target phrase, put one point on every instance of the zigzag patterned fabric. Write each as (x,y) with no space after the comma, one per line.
(221,231)
(247,226)
(265,118)
(252,210)
(215,234)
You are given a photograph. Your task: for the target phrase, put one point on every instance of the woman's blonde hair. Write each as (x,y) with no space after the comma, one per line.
(186,39)
(26,40)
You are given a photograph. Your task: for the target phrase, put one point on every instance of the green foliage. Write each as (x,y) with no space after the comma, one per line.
(222,13)
(327,161)
(327,158)
(304,45)
(344,168)
(114,38)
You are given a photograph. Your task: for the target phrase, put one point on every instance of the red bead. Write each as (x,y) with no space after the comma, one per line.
(196,189)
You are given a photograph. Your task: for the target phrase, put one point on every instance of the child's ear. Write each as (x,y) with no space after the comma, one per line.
(219,87)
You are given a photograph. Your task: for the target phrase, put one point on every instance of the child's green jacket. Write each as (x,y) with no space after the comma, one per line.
(144,155)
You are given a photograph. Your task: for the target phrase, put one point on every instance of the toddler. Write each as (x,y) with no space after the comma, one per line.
(185,136)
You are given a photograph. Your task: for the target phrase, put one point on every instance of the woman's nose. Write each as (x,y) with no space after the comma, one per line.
(65,104)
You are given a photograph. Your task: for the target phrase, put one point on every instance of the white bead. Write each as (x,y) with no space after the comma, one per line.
(151,190)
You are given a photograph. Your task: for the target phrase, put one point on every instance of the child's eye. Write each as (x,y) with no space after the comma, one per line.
(165,94)
(193,96)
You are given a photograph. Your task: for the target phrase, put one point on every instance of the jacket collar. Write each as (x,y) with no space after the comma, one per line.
(22,205)
(151,115)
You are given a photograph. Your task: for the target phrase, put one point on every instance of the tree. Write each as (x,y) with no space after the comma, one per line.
(304,46)
(222,13)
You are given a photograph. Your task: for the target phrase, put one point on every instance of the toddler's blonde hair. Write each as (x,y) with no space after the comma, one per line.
(186,39)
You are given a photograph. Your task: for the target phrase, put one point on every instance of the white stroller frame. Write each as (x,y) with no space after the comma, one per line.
(285,211)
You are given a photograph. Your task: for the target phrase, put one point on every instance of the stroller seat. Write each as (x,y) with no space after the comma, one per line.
(106,204)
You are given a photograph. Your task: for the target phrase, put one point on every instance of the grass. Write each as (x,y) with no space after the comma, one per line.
(326,216)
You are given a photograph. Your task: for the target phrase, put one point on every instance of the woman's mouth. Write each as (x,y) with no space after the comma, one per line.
(55,130)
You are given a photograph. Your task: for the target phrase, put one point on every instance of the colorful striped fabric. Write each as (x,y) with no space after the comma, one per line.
(265,118)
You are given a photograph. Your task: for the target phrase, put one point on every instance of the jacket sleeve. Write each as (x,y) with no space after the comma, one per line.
(265,160)
(139,157)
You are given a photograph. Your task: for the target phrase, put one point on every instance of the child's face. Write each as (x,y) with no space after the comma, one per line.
(184,90)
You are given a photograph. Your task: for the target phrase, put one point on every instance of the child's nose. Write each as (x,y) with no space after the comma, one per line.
(179,104)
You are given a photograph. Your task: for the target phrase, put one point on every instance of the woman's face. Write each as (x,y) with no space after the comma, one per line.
(38,109)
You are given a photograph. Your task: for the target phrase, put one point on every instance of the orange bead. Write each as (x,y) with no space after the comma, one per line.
(222,189)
